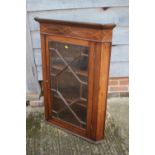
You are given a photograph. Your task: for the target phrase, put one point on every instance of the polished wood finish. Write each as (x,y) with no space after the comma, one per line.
(76,24)
(97,38)
(101,76)
(44,67)
(84,31)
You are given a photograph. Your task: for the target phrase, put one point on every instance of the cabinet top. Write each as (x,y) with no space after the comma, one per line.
(77,24)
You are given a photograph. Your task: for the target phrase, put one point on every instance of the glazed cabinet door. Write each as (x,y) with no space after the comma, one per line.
(68,73)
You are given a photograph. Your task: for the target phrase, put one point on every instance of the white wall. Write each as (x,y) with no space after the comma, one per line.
(96,11)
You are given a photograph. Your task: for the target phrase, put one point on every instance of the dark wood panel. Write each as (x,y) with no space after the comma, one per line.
(84,31)
(79,33)
(101,76)
(44,67)
(90,87)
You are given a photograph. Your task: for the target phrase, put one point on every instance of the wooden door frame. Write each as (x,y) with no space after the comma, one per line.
(47,83)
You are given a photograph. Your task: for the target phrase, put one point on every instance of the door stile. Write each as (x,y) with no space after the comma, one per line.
(48,79)
(90,87)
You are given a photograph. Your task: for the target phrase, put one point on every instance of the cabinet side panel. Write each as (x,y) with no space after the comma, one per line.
(102,62)
(97,60)
(103,85)
(43,48)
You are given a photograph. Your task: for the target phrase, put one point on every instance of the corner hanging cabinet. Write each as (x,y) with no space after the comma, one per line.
(76,60)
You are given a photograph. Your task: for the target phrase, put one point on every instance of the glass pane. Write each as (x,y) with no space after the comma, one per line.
(69,87)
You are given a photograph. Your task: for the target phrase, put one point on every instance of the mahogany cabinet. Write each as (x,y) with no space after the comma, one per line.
(76,60)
